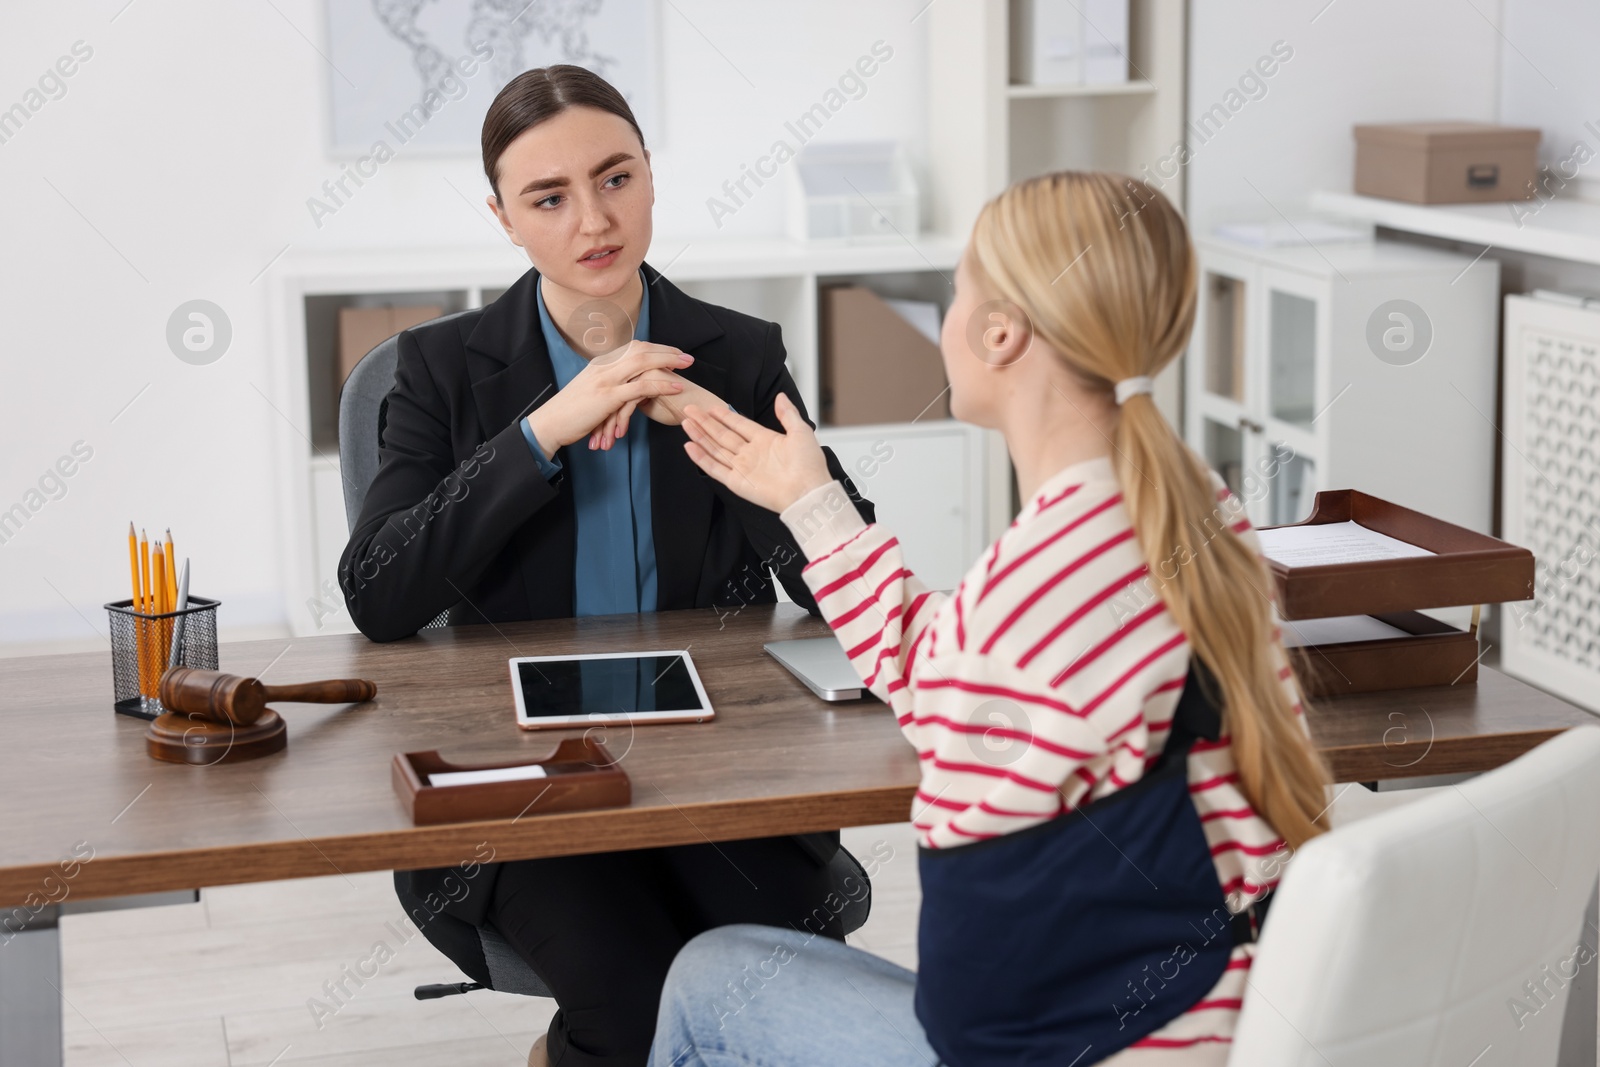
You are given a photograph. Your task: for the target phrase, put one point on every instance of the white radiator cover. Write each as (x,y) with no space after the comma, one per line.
(1550,495)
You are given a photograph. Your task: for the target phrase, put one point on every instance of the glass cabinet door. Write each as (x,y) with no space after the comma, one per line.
(1293,333)
(1223,448)
(1224,321)
(1291,355)
(1290,478)
(1256,376)
(1291,392)
(1217,370)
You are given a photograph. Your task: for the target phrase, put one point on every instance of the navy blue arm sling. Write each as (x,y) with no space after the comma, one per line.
(1071,940)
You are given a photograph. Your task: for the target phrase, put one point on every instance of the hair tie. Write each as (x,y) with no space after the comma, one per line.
(1133,387)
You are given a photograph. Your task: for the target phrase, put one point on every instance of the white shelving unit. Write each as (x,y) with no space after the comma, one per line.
(1559,229)
(1287,395)
(986,132)
(1033,92)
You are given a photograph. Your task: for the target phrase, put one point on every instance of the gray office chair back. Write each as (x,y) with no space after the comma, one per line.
(362,405)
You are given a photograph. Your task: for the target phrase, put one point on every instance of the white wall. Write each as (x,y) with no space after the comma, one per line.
(177,165)
(1549,79)
(1354,61)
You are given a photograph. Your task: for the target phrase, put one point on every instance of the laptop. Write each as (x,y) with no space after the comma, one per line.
(819,662)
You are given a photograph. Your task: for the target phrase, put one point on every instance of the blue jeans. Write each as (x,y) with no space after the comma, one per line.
(769,997)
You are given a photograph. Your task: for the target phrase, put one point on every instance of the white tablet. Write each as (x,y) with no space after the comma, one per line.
(638,687)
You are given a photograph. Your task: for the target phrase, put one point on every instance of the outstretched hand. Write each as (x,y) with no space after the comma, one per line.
(767,468)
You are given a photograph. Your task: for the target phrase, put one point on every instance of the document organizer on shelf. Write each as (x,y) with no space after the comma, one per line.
(1461,568)
(579,776)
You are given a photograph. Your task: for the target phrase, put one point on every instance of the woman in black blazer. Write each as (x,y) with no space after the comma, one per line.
(472,512)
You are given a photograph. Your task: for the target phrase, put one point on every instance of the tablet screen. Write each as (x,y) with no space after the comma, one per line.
(607,685)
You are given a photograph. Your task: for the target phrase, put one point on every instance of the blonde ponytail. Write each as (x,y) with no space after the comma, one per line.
(1123,308)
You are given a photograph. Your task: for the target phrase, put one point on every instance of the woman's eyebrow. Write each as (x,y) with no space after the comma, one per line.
(594,171)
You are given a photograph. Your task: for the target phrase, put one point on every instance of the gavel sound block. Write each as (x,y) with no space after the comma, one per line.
(213,717)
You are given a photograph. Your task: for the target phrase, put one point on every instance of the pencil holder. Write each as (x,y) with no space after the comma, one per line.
(142,642)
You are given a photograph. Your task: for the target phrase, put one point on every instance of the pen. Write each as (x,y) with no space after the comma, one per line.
(183,603)
(158,636)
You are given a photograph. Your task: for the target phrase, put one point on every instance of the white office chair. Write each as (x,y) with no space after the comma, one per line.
(1407,938)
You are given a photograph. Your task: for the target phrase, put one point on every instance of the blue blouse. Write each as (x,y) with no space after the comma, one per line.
(616,551)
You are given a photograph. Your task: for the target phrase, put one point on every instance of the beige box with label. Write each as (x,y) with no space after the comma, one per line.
(1446,162)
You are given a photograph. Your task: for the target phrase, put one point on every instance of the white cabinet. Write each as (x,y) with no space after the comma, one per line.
(923,481)
(1551,495)
(1368,365)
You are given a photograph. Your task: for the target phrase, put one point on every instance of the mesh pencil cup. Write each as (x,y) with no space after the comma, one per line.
(141,643)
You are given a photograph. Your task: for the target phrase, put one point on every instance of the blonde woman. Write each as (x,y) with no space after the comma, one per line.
(1115,766)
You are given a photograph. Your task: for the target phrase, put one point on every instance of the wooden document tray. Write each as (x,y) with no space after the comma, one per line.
(1436,654)
(1467,568)
(580,775)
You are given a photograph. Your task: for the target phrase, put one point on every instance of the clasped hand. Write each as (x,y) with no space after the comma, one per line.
(600,400)
(769,469)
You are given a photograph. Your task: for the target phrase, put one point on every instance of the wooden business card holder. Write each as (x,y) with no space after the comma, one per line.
(1466,568)
(579,775)
(213,717)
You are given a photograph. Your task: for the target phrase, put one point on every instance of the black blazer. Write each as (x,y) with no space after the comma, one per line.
(460,518)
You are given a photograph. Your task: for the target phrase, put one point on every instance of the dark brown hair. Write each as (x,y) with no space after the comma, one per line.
(539,94)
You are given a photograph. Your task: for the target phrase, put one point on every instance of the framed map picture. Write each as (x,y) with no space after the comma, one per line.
(421,73)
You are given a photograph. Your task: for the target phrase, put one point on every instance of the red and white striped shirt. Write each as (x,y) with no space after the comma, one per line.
(1049,676)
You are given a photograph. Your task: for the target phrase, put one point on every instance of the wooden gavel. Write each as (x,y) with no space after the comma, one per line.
(231,698)
(212,717)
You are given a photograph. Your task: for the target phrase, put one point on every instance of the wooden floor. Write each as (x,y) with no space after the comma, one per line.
(234,980)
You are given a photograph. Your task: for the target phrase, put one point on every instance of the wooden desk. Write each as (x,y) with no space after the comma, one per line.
(775,760)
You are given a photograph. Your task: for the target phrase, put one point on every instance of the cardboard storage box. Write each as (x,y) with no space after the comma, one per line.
(1446,162)
(363,329)
(876,366)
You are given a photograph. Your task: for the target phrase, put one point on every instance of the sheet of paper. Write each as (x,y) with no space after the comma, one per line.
(496,774)
(1332,542)
(1337,630)
(1285,234)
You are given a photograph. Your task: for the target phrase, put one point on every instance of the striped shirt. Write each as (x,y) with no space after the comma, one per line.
(1048,678)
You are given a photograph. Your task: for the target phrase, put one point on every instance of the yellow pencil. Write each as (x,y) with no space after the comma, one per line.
(172,573)
(158,646)
(138,600)
(172,602)
(145,607)
(133,564)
